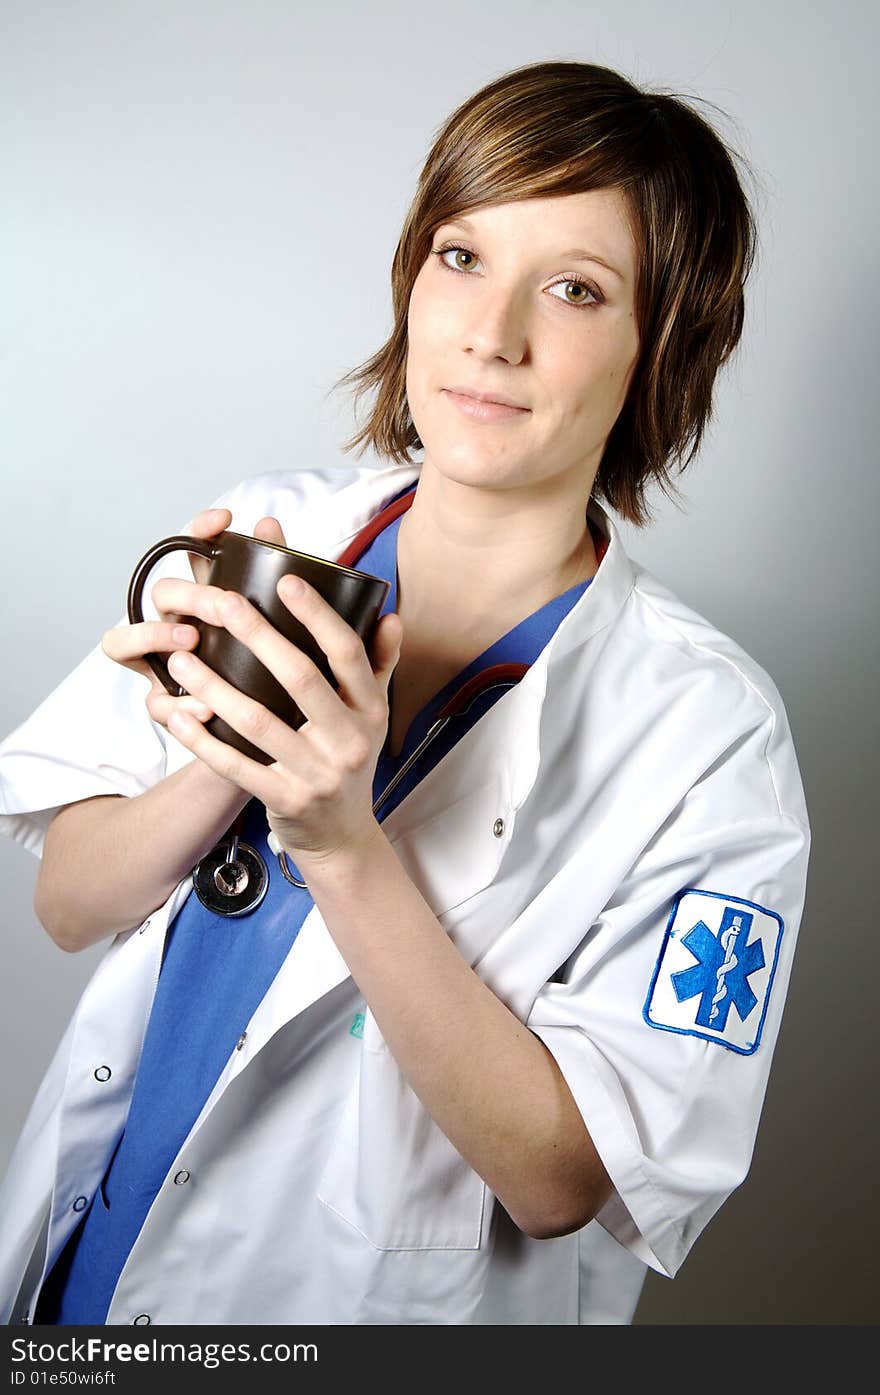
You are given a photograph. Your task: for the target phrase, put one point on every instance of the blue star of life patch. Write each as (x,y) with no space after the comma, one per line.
(715,969)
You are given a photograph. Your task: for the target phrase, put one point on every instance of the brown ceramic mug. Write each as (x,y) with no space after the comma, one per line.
(253,568)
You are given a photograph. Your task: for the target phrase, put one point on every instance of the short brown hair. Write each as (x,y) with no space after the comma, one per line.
(560,127)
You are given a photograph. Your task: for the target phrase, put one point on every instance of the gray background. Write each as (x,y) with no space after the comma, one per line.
(201,203)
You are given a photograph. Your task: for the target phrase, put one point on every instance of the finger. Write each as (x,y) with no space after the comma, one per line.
(207,524)
(129,643)
(269,530)
(175,596)
(160,705)
(295,671)
(342,645)
(253,721)
(261,781)
(386,646)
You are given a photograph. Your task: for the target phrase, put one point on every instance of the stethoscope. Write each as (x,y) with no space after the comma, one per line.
(232,879)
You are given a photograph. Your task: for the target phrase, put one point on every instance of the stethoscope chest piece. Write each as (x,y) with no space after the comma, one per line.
(231,880)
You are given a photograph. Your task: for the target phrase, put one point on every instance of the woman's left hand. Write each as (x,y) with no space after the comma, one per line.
(319,791)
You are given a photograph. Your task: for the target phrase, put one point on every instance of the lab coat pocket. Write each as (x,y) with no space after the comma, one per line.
(392,1173)
(455,852)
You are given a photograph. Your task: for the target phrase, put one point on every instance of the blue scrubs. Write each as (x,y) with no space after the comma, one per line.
(215,972)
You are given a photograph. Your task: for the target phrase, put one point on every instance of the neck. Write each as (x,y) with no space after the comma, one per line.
(491,552)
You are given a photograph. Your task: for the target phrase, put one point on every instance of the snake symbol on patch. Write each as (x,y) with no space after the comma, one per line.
(728,940)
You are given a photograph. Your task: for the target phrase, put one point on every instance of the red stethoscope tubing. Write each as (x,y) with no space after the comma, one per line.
(496,676)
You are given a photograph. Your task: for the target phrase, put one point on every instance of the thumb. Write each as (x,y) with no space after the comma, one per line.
(268,529)
(387,645)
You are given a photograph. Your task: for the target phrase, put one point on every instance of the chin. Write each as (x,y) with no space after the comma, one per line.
(471,468)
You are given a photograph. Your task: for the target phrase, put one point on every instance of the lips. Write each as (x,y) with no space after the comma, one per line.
(480,411)
(488,396)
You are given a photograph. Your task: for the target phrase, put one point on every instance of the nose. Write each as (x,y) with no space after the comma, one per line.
(496,326)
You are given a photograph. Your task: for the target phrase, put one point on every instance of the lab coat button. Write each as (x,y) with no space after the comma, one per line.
(181,1177)
(143,927)
(103,1073)
(241,1041)
(142,1320)
(81,1203)
(498,827)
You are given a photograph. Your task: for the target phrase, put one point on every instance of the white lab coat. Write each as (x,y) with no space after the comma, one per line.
(644,754)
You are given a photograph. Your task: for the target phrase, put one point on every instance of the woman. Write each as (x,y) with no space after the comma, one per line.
(510,1042)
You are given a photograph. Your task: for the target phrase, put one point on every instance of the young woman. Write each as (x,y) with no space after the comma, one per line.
(503,1042)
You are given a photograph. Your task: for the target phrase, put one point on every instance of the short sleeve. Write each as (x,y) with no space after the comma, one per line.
(664,1020)
(93,734)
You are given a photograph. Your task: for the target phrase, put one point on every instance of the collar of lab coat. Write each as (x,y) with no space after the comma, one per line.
(489,772)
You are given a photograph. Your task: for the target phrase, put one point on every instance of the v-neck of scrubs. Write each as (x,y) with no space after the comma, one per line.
(400,702)
(525,637)
(496,653)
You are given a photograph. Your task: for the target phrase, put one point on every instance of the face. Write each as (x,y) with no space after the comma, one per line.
(509,308)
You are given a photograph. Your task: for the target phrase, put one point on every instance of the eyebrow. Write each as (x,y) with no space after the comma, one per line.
(576,253)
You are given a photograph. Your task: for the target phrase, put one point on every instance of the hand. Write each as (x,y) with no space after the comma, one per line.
(127,644)
(318,792)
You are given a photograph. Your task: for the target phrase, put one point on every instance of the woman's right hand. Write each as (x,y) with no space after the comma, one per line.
(127,644)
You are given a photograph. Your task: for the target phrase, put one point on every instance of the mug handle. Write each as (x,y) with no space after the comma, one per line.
(203,547)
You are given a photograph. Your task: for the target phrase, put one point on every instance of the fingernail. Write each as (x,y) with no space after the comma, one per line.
(184,633)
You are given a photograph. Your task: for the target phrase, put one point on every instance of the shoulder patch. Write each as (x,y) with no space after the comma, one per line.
(715,969)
